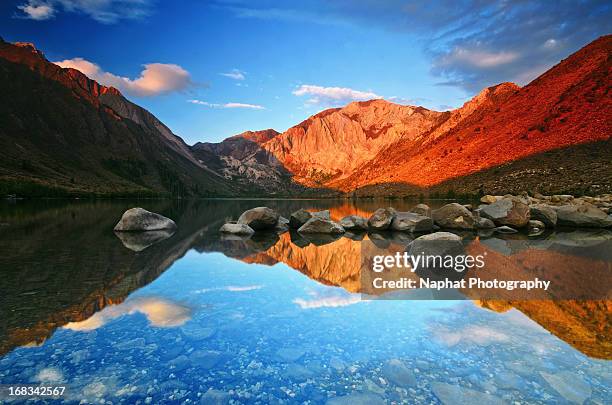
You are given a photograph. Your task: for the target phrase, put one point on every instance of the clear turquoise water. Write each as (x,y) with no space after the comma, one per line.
(215,329)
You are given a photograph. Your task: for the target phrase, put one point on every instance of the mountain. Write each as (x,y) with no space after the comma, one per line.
(551,135)
(64,134)
(241,159)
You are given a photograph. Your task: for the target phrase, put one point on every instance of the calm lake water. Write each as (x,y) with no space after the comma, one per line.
(197,318)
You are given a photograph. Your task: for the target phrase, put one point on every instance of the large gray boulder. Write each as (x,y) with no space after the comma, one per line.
(507,211)
(322,214)
(139,220)
(381,219)
(584,215)
(299,218)
(422,209)
(259,218)
(354,223)
(411,222)
(236,229)
(320,225)
(544,213)
(485,223)
(453,216)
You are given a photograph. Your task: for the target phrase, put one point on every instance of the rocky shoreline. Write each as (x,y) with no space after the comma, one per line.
(501,214)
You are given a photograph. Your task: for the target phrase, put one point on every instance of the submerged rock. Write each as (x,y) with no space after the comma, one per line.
(569,385)
(453,216)
(357,399)
(319,225)
(455,395)
(411,222)
(259,218)
(381,219)
(299,218)
(398,373)
(139,219)
(354,223)
(215,397)
(236,229)
(507,211)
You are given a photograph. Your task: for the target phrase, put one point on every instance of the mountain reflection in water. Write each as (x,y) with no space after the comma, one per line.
(63,266)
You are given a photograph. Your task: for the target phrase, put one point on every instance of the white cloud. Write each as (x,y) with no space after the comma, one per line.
(234,74)
(37,10)
(155,79)
(329,96)
(227,105)
(160,312)
(103,11)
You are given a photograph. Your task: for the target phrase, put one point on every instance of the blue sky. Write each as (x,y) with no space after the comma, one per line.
(212,69)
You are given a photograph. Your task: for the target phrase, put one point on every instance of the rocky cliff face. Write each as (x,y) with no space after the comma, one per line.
(64,134)
(241,159)
(330,146)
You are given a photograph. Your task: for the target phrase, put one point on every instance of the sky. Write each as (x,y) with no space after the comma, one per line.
(213,69)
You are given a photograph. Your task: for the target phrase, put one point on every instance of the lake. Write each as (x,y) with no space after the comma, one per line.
(280,319)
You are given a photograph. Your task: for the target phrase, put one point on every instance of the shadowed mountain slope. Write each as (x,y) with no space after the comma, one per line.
(64,134)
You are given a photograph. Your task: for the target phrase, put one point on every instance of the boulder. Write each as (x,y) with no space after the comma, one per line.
(236,229)
(381,219)
(544,213)
(282,225)
(139,220)
(453,216)
(422,209)
(507,211)
(411,222)
(584,215)
(322,214)
(299,218)
(561,198)
(468,207)
(489,199)
(259,218)
(320,225)
(485,223)
(354,223)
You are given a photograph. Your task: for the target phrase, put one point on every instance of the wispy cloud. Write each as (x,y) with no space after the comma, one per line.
(332,96)
(227,105)
(103,11)
(471,44)
(155,79)
(235,74)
